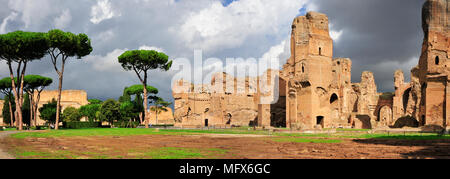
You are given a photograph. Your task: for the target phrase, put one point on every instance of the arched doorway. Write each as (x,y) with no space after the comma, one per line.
(320,121)
(385,115)
(206,123)
(424,120)
(406,96)
(334,104)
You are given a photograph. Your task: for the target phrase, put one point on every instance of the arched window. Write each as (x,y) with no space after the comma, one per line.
(436,61)
(303,68)
(333,98)
(320,50)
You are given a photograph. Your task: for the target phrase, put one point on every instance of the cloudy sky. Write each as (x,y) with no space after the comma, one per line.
(379,36)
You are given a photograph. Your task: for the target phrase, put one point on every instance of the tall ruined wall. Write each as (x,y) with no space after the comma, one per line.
(433,63)
(342,86)
(367,94)
(319,89)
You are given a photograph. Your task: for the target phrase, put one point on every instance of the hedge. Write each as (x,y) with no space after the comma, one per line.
(81,125)
(125,124)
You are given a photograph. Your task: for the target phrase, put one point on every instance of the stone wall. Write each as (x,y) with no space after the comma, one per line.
(164,117)
(425,98)
(69,98)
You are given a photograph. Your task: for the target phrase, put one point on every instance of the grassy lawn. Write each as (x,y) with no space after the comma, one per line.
(134,132)
(180,153)
(8,129)
(129,132)
(159,153)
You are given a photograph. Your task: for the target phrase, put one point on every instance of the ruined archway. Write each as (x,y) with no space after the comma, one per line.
(320,121)
(228,117)
(334,99)
(334,106)
(406,96)
(385,115)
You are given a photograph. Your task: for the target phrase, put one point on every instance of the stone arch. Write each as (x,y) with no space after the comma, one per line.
(334,99)
(424,92)
(334,104)
(320,121)
(229,117)
(406,96)
(385,115)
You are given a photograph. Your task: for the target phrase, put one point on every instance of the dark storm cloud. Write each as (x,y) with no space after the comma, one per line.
(378,35)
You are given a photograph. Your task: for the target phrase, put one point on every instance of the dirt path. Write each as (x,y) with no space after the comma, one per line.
(232,147)
(3,154)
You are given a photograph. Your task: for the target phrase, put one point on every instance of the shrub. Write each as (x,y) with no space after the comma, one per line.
(89,111)
(81,125)
(109,111)
(71,114)
(48,112)
(127,124)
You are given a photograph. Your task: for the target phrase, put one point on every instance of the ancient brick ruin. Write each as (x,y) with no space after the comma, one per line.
(425,98)
(69,98)
(316,90)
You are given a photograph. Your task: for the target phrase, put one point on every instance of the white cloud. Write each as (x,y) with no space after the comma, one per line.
(4,24)
(104,36)
(336,35)
(102,11)
(229,27)
(144,47)
(107,63)
(63,20)
(31,11)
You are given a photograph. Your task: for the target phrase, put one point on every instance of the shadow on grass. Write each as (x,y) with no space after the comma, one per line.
(431,146)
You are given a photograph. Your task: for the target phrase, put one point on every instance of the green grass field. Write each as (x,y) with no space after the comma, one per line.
(134,132)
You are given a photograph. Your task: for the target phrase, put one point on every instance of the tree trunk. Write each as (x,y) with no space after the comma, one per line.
(21,77)
(11,113)
(58,105)
(145,106)
(145,100)
(18,112)
(36,105)
(156,115)
(32,123)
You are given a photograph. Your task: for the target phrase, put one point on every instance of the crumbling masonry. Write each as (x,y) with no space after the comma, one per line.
(316,90)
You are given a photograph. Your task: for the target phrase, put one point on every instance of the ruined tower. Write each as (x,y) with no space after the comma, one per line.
(433,64)
(309,73)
